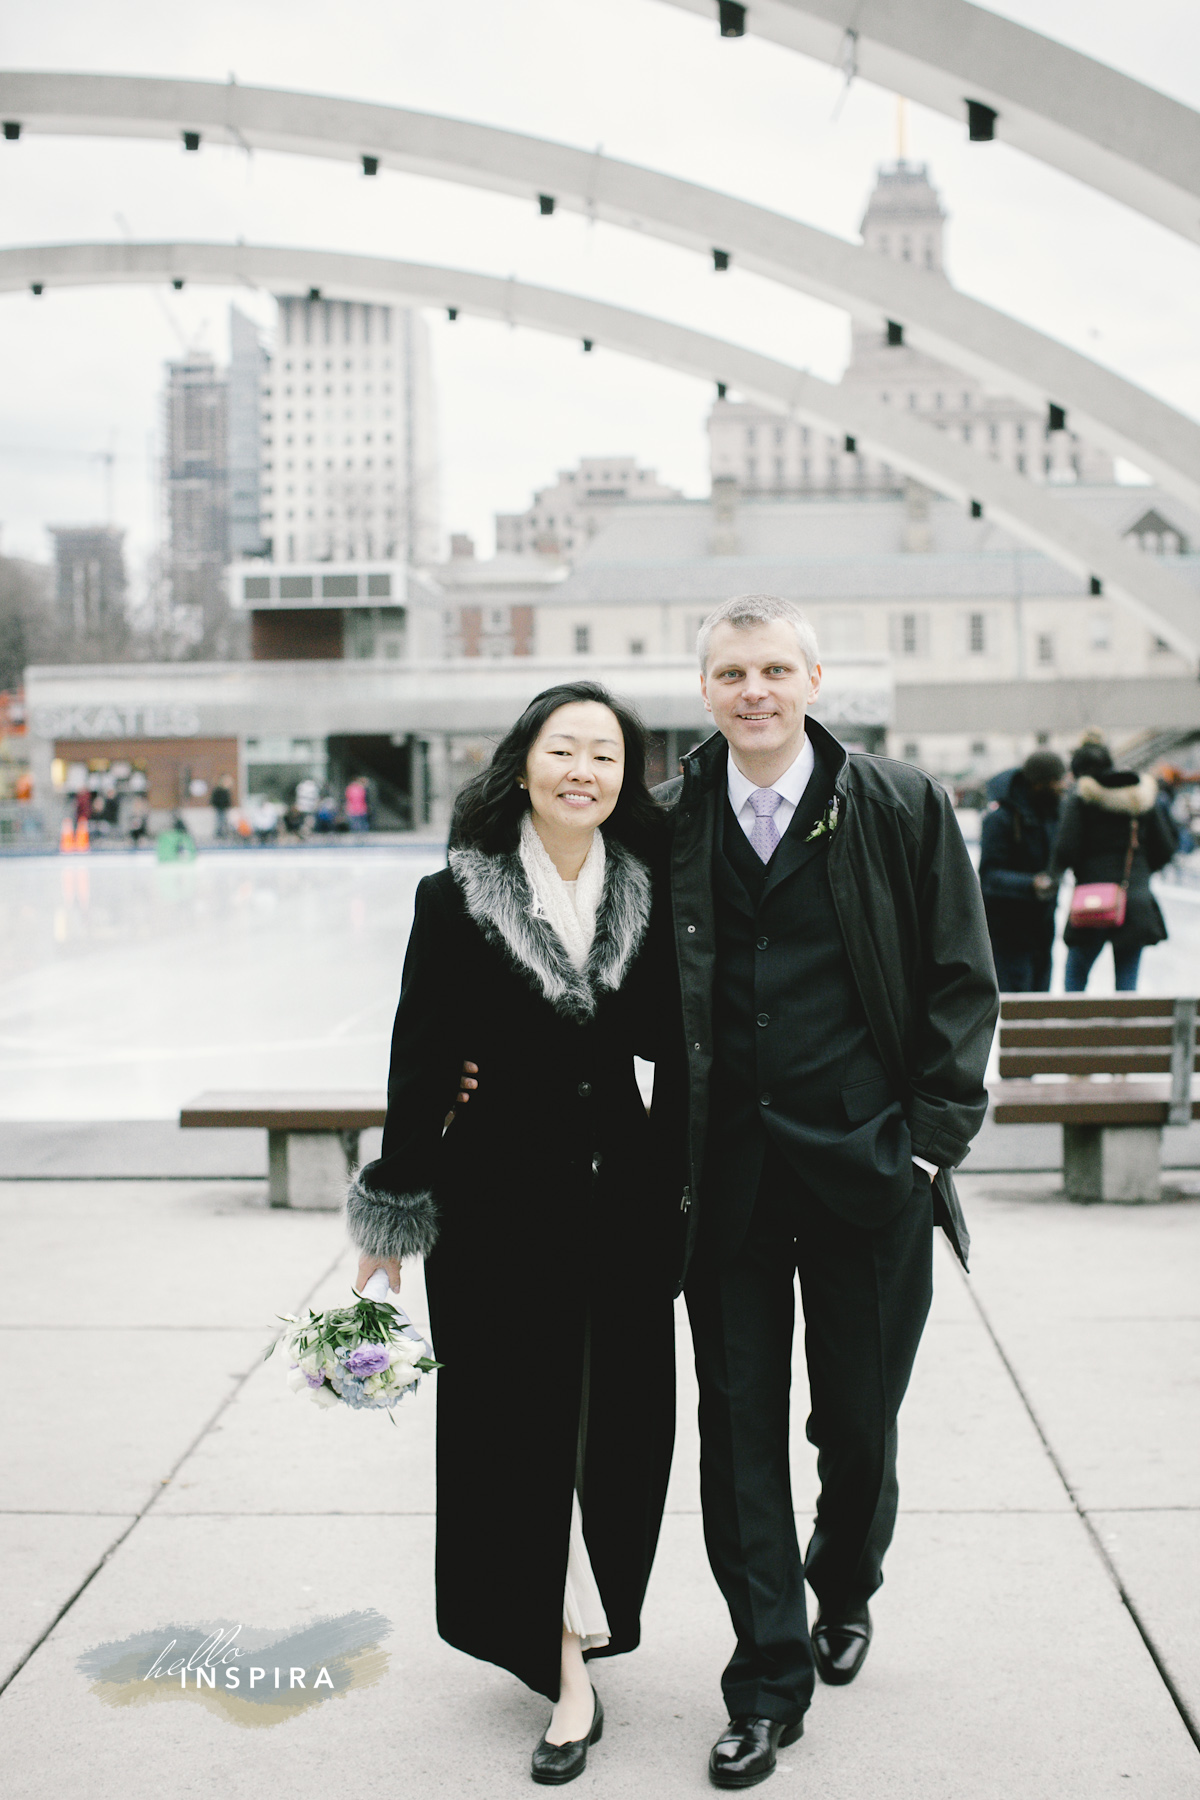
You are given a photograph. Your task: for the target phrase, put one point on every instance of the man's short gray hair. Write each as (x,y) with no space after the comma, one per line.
(759,609)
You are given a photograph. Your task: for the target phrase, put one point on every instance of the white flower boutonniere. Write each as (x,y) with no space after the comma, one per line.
(826,823)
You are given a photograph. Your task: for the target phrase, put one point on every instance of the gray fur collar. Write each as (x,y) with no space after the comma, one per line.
(1133,801)
(498,897)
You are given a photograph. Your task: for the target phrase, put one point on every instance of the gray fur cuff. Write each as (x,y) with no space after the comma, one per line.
(386,1225)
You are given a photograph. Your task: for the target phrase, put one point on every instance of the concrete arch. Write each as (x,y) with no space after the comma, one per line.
(1007,356)
(1078,115)
(1033,514)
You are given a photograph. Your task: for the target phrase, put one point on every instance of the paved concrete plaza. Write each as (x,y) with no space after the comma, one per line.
(1038,1635)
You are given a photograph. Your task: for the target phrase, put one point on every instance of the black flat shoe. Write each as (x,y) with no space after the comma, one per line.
(744,1754)
(840,1644)
(555,1763)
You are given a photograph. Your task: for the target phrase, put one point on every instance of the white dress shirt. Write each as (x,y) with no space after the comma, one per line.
(790,787)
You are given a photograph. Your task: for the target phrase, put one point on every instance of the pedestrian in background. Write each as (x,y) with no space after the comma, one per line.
(1016,842)
(358,805)
(222,800)
(264,817)
(1112,830)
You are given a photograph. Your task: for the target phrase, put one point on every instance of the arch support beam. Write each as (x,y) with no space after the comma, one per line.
(1076,114)
(1033,514)
(1006,356)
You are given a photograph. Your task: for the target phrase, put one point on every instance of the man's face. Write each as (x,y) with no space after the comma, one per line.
(757,686)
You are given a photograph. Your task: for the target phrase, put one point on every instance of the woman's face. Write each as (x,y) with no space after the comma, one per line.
(575,767)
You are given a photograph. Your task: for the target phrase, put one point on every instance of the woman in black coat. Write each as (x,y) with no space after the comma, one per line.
(1109,813)
(544,1223)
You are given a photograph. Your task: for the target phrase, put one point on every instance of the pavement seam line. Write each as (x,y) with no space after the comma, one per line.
(155,1495)
(1189,1724)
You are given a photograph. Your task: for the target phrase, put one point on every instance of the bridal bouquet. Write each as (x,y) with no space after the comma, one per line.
(366,1355)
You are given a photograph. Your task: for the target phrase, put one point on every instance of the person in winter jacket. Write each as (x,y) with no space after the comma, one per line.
(1112,829)
(1016,841)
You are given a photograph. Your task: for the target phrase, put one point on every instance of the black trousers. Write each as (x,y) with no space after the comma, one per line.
(866,1296)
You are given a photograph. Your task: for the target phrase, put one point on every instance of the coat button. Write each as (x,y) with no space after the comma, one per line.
(695,1046)
(762,943)
(585,1089)
(764,1099)
(763,1019)
(691,930)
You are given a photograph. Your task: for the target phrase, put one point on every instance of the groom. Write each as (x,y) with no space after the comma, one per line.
(838,1001)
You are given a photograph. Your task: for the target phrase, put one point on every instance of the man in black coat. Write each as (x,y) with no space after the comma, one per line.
(838,1003)
(1016,842)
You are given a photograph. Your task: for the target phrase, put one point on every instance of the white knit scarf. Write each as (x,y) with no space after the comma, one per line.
(574,924)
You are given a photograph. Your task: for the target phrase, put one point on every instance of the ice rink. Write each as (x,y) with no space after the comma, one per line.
(126,987)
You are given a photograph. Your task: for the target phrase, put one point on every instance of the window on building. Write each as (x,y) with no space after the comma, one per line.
(1020,434)
(637,646)
(1045,646)
(966,434)
(780,470)
(1100,631)
(912,402)
(780,434)
(751,468)
(938,401)
(583,640)
(1020,465)
(751,440)
(911,751)
(979,747)
(909,634)
(977,633)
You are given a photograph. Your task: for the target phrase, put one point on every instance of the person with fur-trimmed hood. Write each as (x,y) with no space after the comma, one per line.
(543,1216)
(1112,828)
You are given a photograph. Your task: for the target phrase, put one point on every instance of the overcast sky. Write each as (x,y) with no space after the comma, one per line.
(83,370)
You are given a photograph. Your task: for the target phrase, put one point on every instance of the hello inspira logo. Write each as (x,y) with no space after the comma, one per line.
(247,1677)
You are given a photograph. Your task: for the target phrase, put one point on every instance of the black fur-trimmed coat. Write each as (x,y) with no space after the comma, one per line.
(546,1221)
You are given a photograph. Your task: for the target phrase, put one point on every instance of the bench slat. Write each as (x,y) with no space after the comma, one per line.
(1084,1062)
(1054,1036)
(1083,1103)
(1083,1006)
(350,1109)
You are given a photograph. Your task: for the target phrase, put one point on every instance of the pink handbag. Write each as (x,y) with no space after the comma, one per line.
(1102,903)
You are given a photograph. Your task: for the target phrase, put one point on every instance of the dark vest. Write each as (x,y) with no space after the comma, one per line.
(795,1063)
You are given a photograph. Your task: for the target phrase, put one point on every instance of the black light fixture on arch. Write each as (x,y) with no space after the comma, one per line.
(370,165)
(546,205)
(981,121)
(720,260)
(731,17)
(191,140)
(12,130)
(177,283)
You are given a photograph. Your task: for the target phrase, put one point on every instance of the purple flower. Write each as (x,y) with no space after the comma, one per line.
(314,1380)
(368,1359)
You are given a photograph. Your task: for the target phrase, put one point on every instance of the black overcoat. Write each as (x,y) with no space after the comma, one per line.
(1093,841)
(911,916)
(545,1230)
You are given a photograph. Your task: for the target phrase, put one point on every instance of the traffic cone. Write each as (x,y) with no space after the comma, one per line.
(66,837)
(82,836)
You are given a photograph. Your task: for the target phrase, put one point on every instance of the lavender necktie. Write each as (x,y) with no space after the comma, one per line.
(764,834)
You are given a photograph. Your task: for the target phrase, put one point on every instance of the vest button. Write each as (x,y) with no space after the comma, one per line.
(585,1089)
(764,1099)
(762,943)
(763,1019)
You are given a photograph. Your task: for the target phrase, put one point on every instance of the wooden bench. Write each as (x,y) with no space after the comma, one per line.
(312,1138)
(1136,1058)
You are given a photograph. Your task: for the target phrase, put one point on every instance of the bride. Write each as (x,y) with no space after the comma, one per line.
(546,1228)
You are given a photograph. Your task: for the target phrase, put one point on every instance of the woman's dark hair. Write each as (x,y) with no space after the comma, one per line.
(488,811)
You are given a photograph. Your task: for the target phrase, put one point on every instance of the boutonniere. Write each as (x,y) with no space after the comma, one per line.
(826,823)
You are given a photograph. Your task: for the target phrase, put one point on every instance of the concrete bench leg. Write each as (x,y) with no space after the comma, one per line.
(1113,1162)
(308,1168)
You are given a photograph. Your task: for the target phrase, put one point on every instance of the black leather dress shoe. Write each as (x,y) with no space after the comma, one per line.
(840,1643)
(555,1763)
(744,1754)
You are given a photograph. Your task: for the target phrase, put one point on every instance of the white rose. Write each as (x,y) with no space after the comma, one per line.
(325,1396)
(296,1380)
